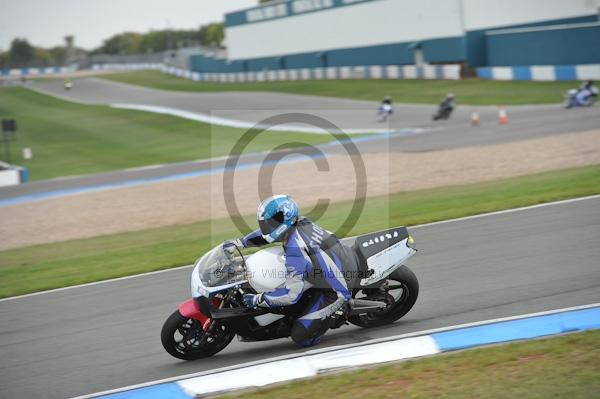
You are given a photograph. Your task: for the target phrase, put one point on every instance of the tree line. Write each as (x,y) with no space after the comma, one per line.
(23,54)
(161,40)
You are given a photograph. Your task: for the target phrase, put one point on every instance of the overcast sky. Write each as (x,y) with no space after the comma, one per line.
(45,22)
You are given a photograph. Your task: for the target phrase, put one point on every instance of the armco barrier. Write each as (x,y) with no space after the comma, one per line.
(541,72)
(346,72)
(311,363)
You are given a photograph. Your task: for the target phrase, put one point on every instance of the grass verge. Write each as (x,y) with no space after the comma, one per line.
(48,266)
(467,91)
(559,367)
(70,139)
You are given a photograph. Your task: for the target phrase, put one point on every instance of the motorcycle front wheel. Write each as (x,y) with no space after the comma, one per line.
(185,339)
(401,294)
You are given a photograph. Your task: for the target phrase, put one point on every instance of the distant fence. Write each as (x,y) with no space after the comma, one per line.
(348,72)
(541,72)
(17,72)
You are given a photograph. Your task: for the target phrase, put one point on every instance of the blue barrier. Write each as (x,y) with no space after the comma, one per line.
(565,73)
(170,390)
(24,175)
(518,329)
(542,72)
(522,73)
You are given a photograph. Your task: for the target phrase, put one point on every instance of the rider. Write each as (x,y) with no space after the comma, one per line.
(587,85)
(314,257)
(386,105)
(448,102)
(585,91)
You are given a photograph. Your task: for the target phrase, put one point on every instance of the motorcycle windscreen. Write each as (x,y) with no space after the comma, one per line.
(216,269)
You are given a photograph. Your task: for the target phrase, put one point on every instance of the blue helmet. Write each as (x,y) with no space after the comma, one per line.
(276,215)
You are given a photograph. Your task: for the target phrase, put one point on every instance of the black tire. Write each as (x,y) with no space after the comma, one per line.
(194,343)
(410,292)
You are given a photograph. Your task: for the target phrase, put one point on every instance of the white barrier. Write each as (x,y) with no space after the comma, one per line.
(343,72)
(11,175)
(541,72)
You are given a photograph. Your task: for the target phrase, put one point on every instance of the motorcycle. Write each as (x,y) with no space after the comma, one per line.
(443,112)
(383,291)
(581,97)
(384,112)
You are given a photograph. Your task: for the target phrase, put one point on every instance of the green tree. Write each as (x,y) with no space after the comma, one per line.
(58,55)
(161,40)
(21,53)
(4,60)
(41,58)
(123,43)
(212,33)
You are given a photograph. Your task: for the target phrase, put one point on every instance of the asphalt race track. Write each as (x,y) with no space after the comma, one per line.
(89,339)
(526,122)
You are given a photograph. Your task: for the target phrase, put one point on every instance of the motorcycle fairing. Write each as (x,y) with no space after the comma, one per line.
(382,252)
(191,309)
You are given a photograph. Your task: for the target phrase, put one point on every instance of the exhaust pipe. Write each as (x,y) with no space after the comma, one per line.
(361,306)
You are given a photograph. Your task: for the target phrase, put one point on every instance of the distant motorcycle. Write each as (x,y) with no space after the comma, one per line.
(445,109)
(384,291)
(443,113)
(583,97)
(384,112)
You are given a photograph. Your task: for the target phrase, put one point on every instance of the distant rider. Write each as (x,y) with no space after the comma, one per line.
(386,109)
(447,103)
(314,257)
(387,100)
(585,91)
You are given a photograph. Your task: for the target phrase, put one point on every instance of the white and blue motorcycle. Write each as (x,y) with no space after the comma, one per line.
(582,97)
(383,291)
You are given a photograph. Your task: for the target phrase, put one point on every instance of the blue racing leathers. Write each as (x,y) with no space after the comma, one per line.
(315,259)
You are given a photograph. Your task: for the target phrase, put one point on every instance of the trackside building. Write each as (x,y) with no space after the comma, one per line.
(301,34)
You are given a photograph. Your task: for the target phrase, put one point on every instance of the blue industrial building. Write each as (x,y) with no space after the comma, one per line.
(296,34)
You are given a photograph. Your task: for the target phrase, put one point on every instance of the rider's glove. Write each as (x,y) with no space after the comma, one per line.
(230,246)
(251,301)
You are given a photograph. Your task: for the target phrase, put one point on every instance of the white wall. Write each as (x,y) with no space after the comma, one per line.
(480,14)
(366,24)
(391,21)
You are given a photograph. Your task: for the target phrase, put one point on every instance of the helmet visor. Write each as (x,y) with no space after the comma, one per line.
(268,226)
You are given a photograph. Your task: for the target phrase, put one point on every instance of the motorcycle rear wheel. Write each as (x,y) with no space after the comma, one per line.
(185,339)
(410,291)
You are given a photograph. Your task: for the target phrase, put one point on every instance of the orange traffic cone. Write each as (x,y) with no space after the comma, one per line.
(502,115)
(474,119)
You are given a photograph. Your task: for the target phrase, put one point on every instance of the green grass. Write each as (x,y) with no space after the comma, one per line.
(70,139)
(47,266)
(468,91)
(560,367)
